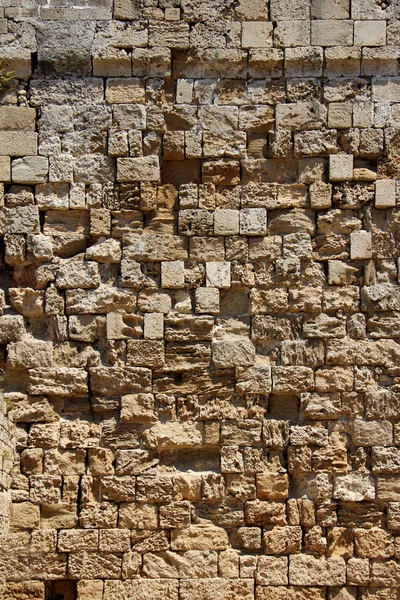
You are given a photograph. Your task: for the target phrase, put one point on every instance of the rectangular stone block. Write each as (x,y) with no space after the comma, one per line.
(305,570)
(145,168)
(18,143)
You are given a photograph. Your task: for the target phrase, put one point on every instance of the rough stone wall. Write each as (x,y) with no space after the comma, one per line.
(200,318)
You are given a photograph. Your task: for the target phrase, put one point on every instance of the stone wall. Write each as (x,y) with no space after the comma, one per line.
(200,309)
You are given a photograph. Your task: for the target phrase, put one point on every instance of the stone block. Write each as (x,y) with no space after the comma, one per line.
(290,34)
(385,193)
(173,274)
(360,245)
(332,32)
(284,9)
(340,115)
(354,487)
(207,300)
(372,433)
(272,570)
(256,34)
(18,143)
(253,221)
(5,169)
(340,167)
(154,326)
(330,9)
(218,274)
(306,570)
(226,222)
(30,169)
(145,168)
(237,352)
(369,33)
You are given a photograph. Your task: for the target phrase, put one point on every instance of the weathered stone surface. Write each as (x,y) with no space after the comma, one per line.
(199,331)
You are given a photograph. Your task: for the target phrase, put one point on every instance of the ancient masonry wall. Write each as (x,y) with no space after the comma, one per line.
(200,317)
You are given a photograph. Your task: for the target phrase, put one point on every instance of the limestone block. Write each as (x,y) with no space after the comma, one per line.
(342,60)
(207,300)
(17,118)
(169,34)
(385,193)
(303,62)
(369,33)
(154,326)
(199,537)
(272,486)
(394,516)
(290,34)
(73,274)
(256,119)
(340,115)
(330,9)
(226,222)
(253,221)
(354,487)
(90,589)
(282,540)
(30,169)
(311,570)
(360,245)
(331,32)
(256,34)
(265,62)
(5,169)
(173,274)
(145,353)
(320,195)
(27,354)
(137,408)
(117,381)
(233,352)
(192,563)
(372,433)
(272,570)
(156,60)
(25,515)
(289,10)
(218,274)
(385,460)
(138,169)
(340,167)
(373,543)
(18,143)
(172,435)
(154,489)
(60,381)
(299,116)
(154,247)
(12,328)
(107,251)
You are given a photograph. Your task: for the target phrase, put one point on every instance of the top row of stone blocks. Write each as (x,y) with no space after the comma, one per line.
(274,10)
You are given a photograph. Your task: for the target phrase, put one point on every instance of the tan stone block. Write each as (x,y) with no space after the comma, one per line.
(5,169)
(272,486)
(24,516)
(16,143)
(199,537)
(373,543)
(173,274)
(385,193)
(340,167)
(310,570)
(90,589)
(256,34)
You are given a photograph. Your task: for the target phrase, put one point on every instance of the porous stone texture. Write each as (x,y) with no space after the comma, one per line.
(200,299)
